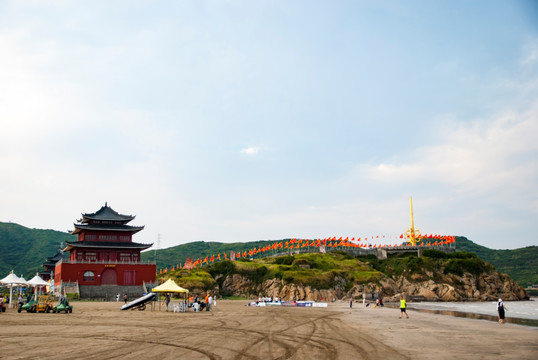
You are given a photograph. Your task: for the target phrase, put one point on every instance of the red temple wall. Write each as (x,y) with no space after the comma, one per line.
(136,274)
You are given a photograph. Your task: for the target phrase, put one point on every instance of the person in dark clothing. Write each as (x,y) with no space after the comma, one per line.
(500,310)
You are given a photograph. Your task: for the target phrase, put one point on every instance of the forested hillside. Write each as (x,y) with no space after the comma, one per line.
(521,264)
(24,250)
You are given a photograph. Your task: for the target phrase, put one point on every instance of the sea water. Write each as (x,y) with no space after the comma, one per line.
(520,312)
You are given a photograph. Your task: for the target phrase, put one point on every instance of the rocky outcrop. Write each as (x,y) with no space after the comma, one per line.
(484,287)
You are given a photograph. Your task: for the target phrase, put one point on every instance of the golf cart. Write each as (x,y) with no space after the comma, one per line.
(43,304)
(63,307)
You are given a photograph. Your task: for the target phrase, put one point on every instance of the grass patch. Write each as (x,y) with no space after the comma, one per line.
(193,279)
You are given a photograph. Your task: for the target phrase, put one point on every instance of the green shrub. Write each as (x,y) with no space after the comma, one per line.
(299,262)
(261,272)
(460,266)
(435,254)
(284,260)
(341,255)
(195,279)
(221,268)
(463,255)
(415,265)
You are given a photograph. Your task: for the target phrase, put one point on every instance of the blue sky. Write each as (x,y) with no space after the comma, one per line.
(240,120)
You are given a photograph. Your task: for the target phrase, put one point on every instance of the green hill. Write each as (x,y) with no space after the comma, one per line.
(24,250)
(455,276)
(521,264)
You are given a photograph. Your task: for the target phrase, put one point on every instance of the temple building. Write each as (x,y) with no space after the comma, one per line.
(104,260)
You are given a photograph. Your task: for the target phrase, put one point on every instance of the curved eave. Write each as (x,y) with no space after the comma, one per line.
(89,218)
(122,228)
(97,245)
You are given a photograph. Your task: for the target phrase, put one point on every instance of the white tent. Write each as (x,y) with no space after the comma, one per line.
(12,280)
(37,281)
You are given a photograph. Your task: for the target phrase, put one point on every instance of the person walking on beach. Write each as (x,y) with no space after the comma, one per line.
(167,301)
(125,298)
(403,307)
(351,303)
(500,309)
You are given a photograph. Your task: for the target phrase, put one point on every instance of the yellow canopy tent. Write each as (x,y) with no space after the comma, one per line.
(171,287)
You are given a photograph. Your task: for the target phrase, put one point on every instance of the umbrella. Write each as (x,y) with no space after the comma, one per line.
(12,280)
(37,281)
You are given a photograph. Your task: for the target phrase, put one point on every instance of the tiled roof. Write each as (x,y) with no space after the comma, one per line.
(106,213)
(107,227)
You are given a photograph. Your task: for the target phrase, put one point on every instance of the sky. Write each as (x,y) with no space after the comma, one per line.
(236,121)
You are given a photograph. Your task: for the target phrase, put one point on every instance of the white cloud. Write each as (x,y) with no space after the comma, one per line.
(531,53)
(477,157)
(251,151)
(479,180)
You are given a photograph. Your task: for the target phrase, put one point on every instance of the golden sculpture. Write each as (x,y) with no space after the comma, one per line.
(412,234)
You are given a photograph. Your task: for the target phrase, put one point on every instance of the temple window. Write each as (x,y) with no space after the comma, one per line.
(88,276)
(91,256)
(125,257)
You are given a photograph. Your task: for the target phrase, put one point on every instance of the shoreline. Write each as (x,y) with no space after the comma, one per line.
(471,315)
(477,315)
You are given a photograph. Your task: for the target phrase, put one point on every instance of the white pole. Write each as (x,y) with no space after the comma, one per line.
(10,295)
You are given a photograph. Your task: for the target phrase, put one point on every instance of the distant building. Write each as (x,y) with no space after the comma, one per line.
(104,260)
(50,264)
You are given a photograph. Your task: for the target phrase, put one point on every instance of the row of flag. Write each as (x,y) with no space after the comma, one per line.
(324,244)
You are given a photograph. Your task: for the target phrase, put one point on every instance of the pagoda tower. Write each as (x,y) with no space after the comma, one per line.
(104,260)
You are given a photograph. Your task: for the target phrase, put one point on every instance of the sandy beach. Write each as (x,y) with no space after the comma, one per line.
(99,330)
